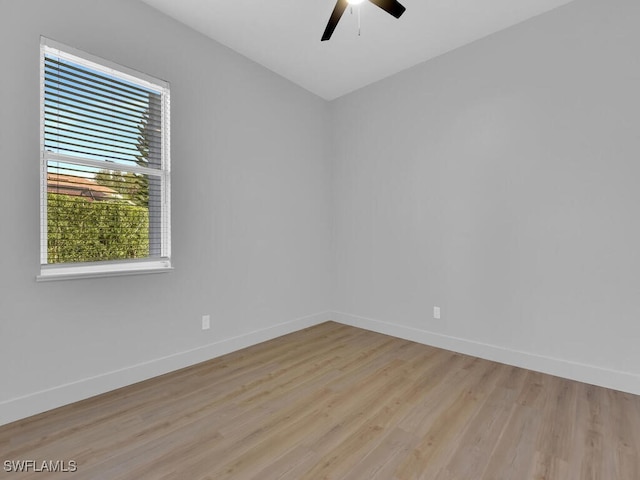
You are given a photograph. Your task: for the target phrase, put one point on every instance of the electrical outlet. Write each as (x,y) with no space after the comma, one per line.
(436,312)
(206,322)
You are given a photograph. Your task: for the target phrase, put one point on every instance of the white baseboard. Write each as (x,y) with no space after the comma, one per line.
(41,401)
(592,374)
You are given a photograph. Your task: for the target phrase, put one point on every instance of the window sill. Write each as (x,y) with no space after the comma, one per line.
(97,270)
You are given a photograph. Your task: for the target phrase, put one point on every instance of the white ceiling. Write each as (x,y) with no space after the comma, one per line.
(284,35)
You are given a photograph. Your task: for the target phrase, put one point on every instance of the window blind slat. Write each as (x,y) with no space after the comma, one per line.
(96,77)
(53,110)
(109,158)
(57,76)
(53,115)
(93,109)
(78,138)
(137,106)
(99,134)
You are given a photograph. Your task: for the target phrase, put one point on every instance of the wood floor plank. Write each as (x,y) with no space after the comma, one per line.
(338,402)
(473,452)
(511,456)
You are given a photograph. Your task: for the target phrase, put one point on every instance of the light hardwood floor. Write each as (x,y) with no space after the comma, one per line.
(334,401)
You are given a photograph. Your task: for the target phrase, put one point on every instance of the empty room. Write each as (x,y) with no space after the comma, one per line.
(320,239)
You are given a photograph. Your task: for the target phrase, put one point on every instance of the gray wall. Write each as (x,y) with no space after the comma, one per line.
(250,211)
(501,183)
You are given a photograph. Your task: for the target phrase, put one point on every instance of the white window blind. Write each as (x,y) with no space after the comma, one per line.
(105,169)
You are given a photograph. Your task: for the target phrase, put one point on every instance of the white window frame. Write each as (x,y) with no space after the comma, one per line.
(64,271)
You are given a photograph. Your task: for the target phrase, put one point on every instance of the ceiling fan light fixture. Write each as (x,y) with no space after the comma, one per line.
(392,7)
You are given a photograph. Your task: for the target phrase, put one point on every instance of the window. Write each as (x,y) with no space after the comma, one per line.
(105,172)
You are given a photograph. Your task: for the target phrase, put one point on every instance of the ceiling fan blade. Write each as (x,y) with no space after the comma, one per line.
(338,10)
(392,7)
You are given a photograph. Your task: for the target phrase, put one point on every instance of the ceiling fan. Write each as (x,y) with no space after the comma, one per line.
(392,7)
